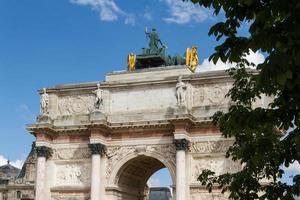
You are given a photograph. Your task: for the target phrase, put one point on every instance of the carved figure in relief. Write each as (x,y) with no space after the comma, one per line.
(99,97)
(180,92)
(44,102)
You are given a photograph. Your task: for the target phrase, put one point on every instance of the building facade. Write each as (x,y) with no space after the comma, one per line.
(104,140)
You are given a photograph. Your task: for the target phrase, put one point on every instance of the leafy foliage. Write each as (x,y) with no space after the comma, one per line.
(274,29)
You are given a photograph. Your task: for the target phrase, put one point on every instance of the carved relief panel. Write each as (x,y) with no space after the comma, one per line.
(72,105)
(73,174)
(204,95)
(219,165)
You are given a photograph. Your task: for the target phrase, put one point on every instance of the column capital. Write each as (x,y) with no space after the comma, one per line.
(181,144)
(97,148)
(43,151)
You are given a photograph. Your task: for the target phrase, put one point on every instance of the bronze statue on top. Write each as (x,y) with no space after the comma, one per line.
(155,55)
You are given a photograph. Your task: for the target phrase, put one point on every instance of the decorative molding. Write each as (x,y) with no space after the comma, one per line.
(43,151)
(204,95)
(220,146)
(97,148)
(219,165)
(181,144)
(71,153)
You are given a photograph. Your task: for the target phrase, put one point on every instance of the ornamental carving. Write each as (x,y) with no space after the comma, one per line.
(117,153)
(70,198)
(73,174)
(181,144)
(97,148)
(43,151)
(198,96)
(76,105)
(218,165)
(209,95)
(71,153)
(216,94)
(220,146)
(198,194)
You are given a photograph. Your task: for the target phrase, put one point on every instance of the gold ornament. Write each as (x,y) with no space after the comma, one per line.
(191,58)
(131,60)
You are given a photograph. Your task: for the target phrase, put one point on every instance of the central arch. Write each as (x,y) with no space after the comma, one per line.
(132,176)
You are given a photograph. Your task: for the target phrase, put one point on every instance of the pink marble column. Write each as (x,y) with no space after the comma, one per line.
(43,153)
(181,147)
(97,150)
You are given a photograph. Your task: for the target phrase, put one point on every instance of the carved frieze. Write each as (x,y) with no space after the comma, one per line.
(220,146)
(209,95)
(198,194)
(71,153)
(218,165)
(72,105)
(73,174)
(70,198)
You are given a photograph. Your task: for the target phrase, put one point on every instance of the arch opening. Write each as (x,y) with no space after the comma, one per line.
(133,176)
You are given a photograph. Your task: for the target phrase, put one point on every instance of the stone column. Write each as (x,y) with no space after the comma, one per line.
(181,147)
(97,150)
(43,153)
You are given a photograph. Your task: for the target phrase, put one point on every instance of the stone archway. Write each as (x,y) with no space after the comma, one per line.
(132,177)
(132,166)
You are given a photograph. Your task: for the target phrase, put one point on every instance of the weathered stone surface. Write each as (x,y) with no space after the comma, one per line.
(137,115)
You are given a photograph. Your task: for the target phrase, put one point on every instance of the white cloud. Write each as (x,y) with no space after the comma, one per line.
(147,15)
(108,10)
(130,20)
(255,58)
(154,182)
(185,12)
(16,163)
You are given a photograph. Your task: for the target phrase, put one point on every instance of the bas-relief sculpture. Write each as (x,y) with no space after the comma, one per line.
(73,174)
(72,105)
(213,94)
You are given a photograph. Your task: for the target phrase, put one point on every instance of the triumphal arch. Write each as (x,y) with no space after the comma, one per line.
(103,140)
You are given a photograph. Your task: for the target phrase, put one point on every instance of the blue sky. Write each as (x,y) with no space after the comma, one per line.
(49,42)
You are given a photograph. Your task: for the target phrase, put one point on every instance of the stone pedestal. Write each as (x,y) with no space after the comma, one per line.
(43,153)
(181,147)
(97,150)
(44,119)
(97,115)
(181,110)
